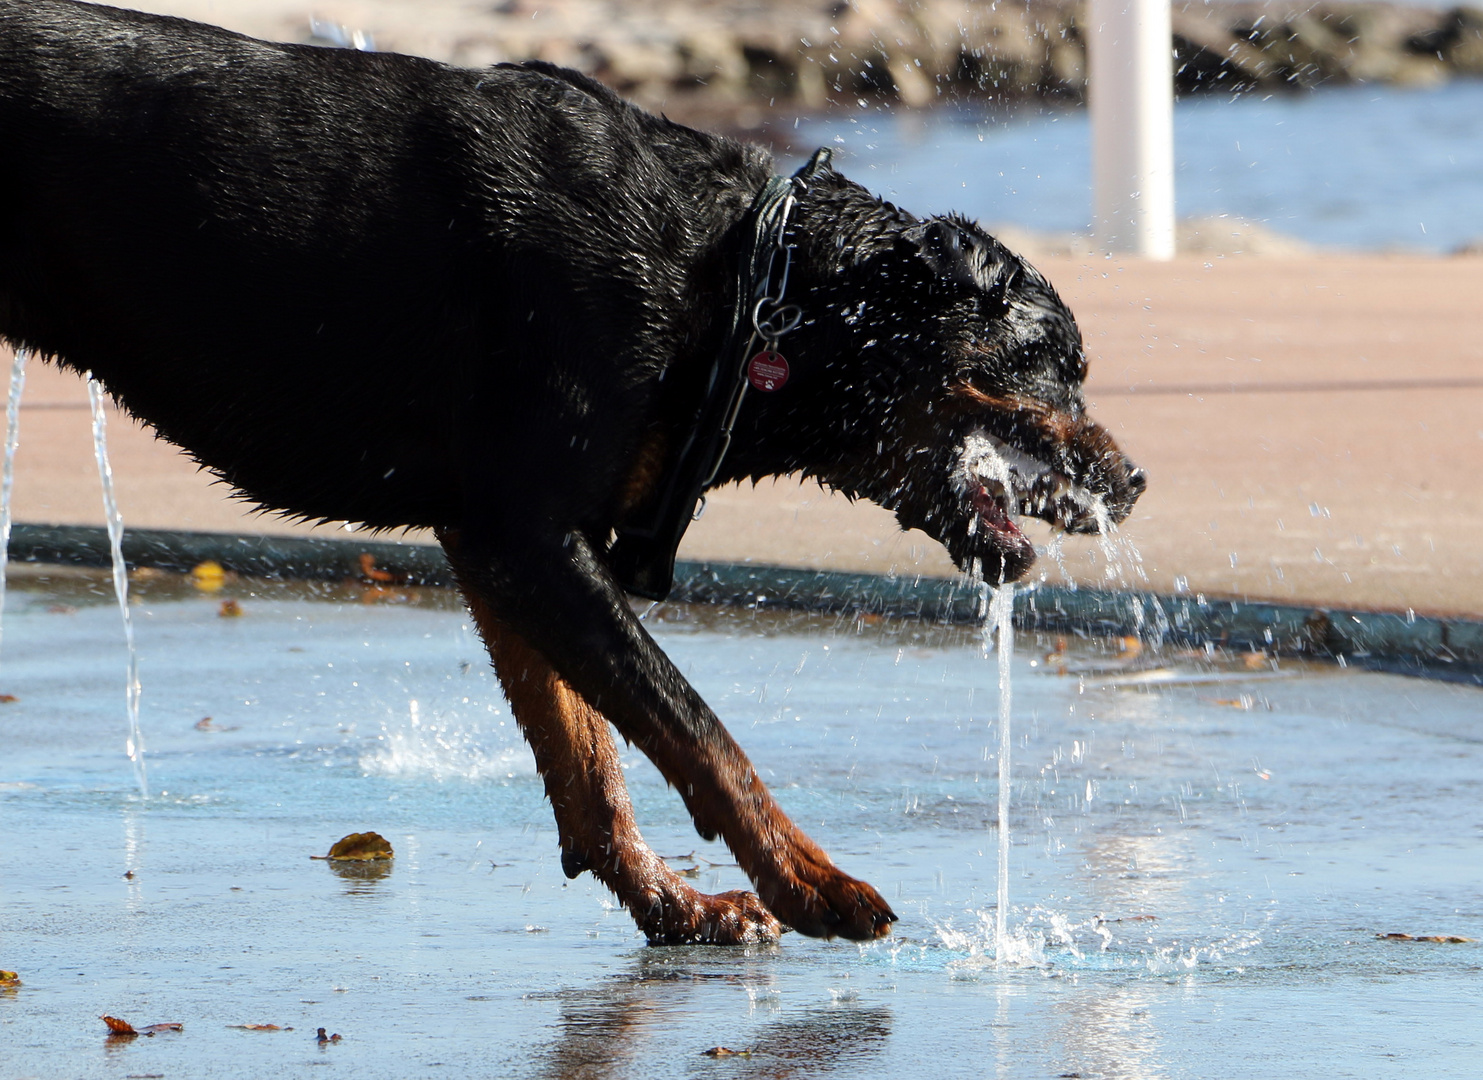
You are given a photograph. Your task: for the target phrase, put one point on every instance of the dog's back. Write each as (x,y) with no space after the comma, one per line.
(185,207)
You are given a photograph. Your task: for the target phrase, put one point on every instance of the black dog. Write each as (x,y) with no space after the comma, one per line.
(505,305)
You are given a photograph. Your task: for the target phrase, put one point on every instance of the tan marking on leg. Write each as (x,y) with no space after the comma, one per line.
(578,763)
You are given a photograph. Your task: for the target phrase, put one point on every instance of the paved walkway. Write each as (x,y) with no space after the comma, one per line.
(1313,430)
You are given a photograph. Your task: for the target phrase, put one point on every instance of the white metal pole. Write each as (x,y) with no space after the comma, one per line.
(1130,95)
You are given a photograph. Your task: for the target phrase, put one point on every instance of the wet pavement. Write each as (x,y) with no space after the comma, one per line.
(1205,850)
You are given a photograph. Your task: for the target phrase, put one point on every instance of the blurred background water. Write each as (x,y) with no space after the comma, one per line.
(1356,167)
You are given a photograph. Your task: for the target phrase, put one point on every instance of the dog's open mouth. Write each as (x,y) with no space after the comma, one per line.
(1003,484)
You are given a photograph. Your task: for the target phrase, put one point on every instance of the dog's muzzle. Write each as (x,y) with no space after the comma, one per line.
(1002,484)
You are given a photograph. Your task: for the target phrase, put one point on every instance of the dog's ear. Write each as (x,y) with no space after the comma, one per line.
(959,253)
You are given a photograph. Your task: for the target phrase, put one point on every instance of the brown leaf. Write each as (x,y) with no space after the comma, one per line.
(360,847)
(259,1027)
(327,1038)
(124,1028)
(9,979)
(229,609)
(368,569)
(726,1051)
(8,699)
(208,576)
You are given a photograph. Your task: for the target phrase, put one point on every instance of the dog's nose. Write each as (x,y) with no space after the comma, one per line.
(1137,481)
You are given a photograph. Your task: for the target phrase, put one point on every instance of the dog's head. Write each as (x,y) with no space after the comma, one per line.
(956,397)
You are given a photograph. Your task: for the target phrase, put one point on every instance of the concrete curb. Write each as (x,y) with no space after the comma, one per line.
(1450,649)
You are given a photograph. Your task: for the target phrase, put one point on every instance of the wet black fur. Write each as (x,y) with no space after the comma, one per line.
(377,288)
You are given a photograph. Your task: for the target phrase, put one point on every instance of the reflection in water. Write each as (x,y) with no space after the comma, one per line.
(115,1042)
(1111,1035)
(1136,875)
(607,1030)
(360,876)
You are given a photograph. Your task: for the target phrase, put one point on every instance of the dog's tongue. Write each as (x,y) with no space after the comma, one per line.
(1015,546)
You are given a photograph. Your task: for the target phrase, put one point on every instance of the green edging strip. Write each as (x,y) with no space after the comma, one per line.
(302,558)
(1439,648)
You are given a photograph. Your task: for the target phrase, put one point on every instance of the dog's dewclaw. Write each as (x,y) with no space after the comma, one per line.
(361,847)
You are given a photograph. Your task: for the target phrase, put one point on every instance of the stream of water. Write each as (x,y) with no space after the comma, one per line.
(134,745)
(7,470)
(1001,619)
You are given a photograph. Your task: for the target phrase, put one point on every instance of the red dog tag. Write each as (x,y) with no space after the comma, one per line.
(768,371)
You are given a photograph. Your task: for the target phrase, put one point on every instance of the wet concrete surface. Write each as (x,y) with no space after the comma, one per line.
(1205,850)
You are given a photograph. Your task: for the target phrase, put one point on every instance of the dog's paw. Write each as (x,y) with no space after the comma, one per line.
(729,918)
(823,901)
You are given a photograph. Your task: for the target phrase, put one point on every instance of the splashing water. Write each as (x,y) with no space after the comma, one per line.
(440,748)
(1124,560)
(134,746)
(1121,554)
(7,471)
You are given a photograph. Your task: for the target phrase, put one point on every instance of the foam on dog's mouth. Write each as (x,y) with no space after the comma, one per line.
(1002,483)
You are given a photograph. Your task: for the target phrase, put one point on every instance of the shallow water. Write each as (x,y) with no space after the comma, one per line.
(1361,167)
(1208,851)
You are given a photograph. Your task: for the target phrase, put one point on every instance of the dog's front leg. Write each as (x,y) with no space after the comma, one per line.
(578,762)
(564,606)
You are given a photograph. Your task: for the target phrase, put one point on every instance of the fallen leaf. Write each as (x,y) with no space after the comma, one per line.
(359,847)
(229,609)
(327,1038)
(208,724)
(61,609)
(258,1027)
(9,979)
(726,1051)
(208,576)
(368,569)
(8,699)
(126,1029)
